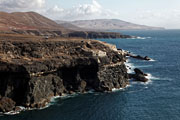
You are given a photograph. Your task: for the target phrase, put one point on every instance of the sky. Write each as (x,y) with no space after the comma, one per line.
(160,13)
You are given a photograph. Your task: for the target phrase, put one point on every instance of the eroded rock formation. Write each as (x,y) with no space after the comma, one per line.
(139,75)
(32,71)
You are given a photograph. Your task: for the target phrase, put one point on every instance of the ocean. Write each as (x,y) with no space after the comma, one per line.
(159,99)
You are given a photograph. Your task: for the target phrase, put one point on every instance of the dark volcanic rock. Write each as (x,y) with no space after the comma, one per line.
(138,71)
(139,75)
(93,35)
(71,34)
(6,104)
(31,72)
(139,57)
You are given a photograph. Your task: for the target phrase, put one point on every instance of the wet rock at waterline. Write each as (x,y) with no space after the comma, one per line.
(138,76)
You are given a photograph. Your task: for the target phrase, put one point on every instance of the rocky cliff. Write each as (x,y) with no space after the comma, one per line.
(33,71)
(72,34)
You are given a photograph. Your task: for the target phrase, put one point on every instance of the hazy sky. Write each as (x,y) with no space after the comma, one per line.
(163,13)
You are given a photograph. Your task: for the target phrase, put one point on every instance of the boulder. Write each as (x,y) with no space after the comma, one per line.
(138,71)
(147,58)
(138,57)
(139,75)
(6,104)
(82,86)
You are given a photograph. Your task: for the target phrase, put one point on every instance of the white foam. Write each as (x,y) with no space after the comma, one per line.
(142,38)
(53,99)
(132,38)
(130,66)
(151,77)
(152,60)
(15,112)
(118,89)
(11,113)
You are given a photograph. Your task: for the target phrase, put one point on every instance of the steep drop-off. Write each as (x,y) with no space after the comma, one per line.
(33,71)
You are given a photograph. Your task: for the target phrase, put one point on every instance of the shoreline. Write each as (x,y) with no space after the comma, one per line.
(65,96)
(53,99)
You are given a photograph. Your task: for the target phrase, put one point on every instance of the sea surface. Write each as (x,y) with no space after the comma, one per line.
(158,99)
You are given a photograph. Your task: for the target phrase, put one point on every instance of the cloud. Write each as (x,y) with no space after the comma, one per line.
(21,5)
(82,11)
(155,17)
(166,18)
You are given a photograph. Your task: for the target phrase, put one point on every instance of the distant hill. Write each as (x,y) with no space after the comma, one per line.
(109,24)
(68,25)
(27,21)
(31,23)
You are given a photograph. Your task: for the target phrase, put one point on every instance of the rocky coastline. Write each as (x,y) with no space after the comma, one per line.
(34,71)
(72,34)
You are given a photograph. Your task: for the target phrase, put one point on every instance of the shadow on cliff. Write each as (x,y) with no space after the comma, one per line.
(80,77)
(13,82)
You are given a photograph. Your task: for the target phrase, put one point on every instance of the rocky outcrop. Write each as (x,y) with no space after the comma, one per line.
(6,104)
(138,57)
(138,76)
(32,72)
(93,35)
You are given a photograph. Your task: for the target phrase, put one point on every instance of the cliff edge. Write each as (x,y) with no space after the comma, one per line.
(33,69)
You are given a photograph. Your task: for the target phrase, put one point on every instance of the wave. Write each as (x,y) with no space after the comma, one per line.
(119,89)
(14,112)
(116,89)
(130,66)
(152,60)
(11,113)
(151,77)
(144,66)
(142,38)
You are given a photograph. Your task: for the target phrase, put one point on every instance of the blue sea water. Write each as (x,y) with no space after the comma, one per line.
(157,100)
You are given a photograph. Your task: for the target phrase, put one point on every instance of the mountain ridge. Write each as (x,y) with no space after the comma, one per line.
(32,23)
(108,24)
(27,21)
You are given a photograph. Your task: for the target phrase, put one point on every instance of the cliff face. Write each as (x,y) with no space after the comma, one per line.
(72,34)
(32,72)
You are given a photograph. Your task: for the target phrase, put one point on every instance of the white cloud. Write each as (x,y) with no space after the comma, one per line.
(21,5)
(82,11)
(155,17)
(54,11)
(166,18)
